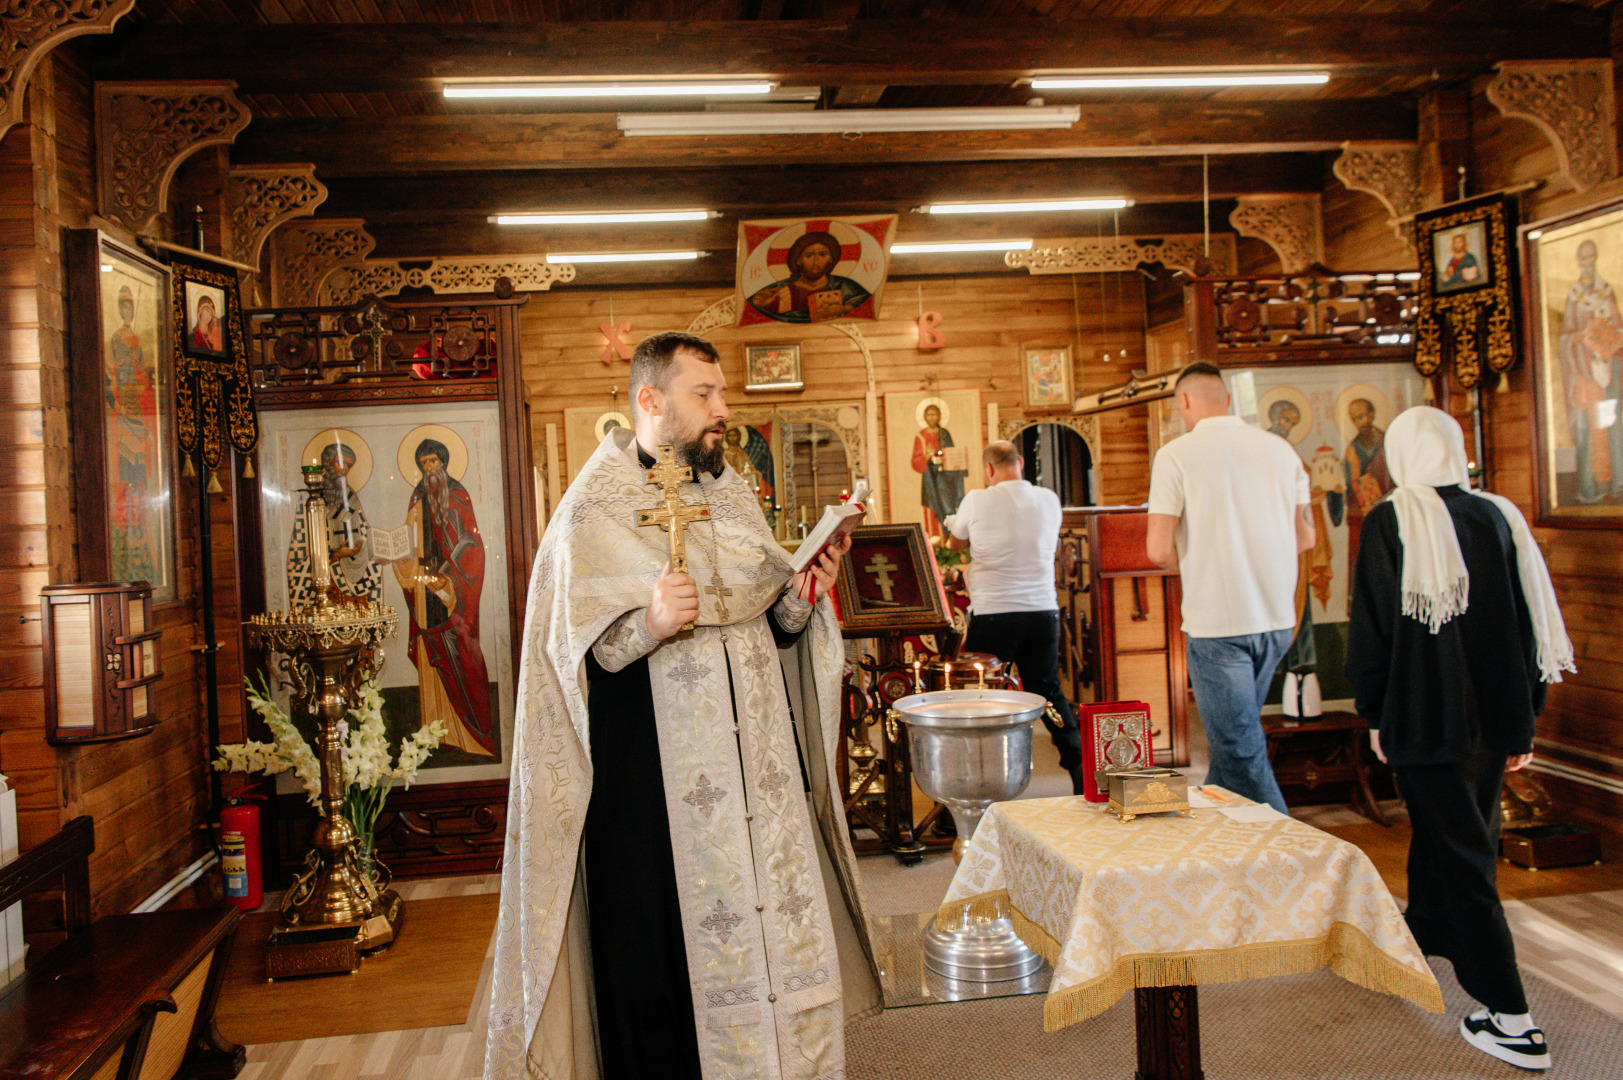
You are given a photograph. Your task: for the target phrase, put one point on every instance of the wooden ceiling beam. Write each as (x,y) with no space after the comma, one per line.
(452,235)
(789,190)
(493,141)
(372,57)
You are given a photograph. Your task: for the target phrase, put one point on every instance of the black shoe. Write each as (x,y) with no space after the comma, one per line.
(1527,1050)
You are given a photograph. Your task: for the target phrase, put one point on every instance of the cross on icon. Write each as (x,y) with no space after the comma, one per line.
(880,567)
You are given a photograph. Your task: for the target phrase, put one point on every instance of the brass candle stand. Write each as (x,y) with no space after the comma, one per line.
(334,912)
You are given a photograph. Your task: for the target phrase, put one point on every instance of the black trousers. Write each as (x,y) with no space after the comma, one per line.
(1030,641)
(1454,909)
(639,959)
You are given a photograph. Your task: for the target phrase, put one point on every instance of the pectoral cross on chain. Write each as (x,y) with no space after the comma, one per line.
(673,515)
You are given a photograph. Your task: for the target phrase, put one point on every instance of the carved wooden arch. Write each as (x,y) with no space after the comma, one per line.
(1572,102)
(261,197)
(1293,225)
(29,31)
(1085,426)
(146,130)
(348,282)
(1390,171)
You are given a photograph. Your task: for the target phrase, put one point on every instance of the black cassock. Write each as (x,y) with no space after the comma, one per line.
(639,961)
(1450,707)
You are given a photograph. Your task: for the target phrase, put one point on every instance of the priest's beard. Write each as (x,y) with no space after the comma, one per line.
(690,449)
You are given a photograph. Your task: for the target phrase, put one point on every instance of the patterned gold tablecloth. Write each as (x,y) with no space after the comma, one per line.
(1171,900)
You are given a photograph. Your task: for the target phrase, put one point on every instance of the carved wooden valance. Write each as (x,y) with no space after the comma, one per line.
(347,283)
(1299,318)
(1293,225)
(1085,426)
(304,252)
(1572,102)
(145,130)
(261,197)
(1124,254)
(1390,171)
(30,29)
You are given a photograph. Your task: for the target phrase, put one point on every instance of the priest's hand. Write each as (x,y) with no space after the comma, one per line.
(825,569)
(675,604)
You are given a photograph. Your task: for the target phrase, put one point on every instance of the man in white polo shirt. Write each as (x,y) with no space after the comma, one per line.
(1229,506)
(1011,528)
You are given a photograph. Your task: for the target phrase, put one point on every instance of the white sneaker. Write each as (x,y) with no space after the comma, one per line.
(1527,1050)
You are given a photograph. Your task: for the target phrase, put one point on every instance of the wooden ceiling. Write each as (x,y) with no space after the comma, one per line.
(354,87)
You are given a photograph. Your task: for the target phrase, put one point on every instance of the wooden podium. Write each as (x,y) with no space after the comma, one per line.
(1121,617)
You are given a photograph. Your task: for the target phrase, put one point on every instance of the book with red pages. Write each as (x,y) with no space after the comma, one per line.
(1115,735)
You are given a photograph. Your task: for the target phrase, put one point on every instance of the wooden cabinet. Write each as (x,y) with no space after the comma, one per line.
(1122,631)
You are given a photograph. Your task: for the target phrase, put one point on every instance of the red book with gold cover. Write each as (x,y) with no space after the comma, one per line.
(1115,735)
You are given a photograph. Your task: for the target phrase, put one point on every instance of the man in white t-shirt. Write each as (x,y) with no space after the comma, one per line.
(1011,528)
(1229,506)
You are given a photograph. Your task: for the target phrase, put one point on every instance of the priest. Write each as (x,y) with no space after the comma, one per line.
(679,893)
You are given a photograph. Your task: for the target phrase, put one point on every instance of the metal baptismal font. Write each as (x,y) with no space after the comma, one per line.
(334,911)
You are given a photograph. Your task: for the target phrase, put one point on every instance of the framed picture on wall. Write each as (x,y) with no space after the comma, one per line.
(1572,265)
(123,413)
(933,447)
(585,427)
(1047,376)
(772,367)
(1465,317)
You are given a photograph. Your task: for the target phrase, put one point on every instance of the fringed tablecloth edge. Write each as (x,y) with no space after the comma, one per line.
(1345,950)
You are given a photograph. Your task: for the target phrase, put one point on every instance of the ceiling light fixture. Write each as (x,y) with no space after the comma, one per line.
(525,89)
(627,256)
(605,218)
(1036,206)
(968,245)
(850,121)
(1146,80)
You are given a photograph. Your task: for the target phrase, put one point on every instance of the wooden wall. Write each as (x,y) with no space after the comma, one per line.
(1582,727)
(986,320)
(148,796)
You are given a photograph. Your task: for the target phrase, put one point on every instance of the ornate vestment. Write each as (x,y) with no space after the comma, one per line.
(770,898)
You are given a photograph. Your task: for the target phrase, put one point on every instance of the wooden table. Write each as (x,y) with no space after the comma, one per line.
(1328,749)
(1164,903)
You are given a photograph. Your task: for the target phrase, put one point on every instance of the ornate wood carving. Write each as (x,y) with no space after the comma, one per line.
(304,252)
(145,130)
(1092,254)
(261,197)
(1572,103)
(1085,426)
(30,29)
(1390,171)
(723,312)
(1293,225)
(347,283)
(1299,318)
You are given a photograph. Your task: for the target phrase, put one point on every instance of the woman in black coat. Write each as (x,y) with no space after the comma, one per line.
(1454,634)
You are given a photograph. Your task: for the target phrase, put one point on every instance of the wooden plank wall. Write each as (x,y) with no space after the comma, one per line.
(986,318)
(148,796)
(1582,725)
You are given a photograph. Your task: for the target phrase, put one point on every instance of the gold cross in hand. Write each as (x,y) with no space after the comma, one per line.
(673,515)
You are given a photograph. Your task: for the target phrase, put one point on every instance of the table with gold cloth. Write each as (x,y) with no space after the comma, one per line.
(1166,900)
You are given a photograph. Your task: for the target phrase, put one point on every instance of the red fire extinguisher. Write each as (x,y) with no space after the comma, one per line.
(239,850)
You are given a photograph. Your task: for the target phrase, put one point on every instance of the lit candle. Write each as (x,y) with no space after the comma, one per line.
(980,675)
(946,678)
(918,685)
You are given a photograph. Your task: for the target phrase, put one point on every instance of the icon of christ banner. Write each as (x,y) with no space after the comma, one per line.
(808,270)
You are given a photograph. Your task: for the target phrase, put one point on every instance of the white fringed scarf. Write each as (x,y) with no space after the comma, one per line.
(1425,450)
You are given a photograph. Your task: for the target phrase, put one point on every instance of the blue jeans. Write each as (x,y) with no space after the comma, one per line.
(1231,676)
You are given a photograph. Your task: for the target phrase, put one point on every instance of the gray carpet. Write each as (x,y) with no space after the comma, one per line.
(1291,1028)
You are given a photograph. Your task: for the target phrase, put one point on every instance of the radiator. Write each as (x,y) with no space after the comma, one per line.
(12,947)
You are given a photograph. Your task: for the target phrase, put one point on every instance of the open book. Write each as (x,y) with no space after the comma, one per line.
(836,522)
(389,545)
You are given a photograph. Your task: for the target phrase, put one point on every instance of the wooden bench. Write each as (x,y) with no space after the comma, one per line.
(128,997)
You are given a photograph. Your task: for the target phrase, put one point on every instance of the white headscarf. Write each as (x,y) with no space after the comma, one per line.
(1425,450)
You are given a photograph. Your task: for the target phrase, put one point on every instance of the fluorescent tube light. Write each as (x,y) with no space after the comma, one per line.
(756,88)
(1204,78)
(850,121)
(606,218)
(1025,207)
(627,256)
(968,245)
